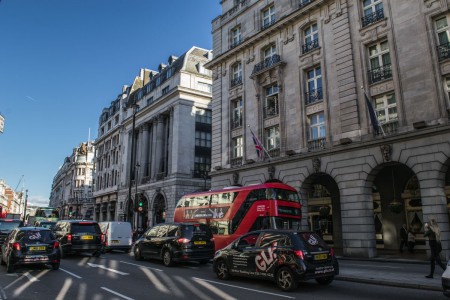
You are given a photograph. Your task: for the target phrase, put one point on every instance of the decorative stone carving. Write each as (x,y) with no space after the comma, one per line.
(386,151)
(271,171)
(316,164)
(235,178)
(289,39)
(83,149)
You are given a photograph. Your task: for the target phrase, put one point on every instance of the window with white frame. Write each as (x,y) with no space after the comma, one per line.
(271,100)
(373,11)
(237,107)
(311,38)
(270,51)
(317,129)
(272,138)
(238,147)
(314,85)
(236,74)
(235,36)
(443,36)
(380,62)
(386,108)
(205,87)
(268,16)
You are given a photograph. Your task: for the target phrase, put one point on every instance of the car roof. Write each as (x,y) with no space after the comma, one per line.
(77,221)
(28,228)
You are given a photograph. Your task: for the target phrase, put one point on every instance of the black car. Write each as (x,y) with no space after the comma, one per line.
(30,246)
(175,242)
(6,226)
(78,236)
(285,256)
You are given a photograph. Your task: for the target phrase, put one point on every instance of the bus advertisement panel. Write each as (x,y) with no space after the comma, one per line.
(232,212)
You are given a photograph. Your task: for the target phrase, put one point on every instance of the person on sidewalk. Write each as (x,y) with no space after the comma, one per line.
(403,237)
(411,241)
(433,233)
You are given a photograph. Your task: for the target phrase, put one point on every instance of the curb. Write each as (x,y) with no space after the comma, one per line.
(389,283)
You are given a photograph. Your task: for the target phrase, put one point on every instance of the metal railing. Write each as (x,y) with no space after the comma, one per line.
(268,23)
(266,63)
(235,43)
(372,18)
(236,81)
(316,144)
(237,161)
(380,73)
(443,51)
(302,3)
(313,96)
(274,152)
(236,122)
(271,110)
(311,45)
(389,128)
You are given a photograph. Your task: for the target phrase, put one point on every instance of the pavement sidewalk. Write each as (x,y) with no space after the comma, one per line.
(395,273)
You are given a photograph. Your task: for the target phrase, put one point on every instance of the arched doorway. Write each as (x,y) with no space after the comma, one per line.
(159,209)
(397,201)
(324,208)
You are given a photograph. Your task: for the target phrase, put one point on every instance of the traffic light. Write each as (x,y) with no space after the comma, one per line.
(140,202)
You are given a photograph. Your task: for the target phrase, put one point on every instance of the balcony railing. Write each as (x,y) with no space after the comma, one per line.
(381,73)
(443,51)
(302,3)
(235,43)
(313,96)
(271,110)
(309,46)
(316,144)
(372,18)
(267,23)
(389,128)
(266,63)
(236,81)
(274,152)
(236,122)
(237,161)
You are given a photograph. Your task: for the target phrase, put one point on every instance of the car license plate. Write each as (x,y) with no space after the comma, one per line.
(87,237)
(200,243)
(115,242)
(39,248)
(320,256)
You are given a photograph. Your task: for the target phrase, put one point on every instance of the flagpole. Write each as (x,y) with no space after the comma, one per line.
(259,142)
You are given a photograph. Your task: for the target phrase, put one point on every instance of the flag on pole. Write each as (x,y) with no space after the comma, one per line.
(373,117)
(258,146)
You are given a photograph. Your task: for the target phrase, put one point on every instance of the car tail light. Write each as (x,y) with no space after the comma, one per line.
(332,252)
(56,245)
(299,254)
(183,241)
(16,246)
(212,240)
(102,237)
(69,237)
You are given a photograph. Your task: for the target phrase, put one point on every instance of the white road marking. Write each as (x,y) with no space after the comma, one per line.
(377,266)
(142,266)
(108,269)
(30,277)
(70,273)
(62,293)
(116,293)
(242,288)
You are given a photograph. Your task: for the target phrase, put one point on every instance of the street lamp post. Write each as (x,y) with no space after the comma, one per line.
(130,206)
(136,194)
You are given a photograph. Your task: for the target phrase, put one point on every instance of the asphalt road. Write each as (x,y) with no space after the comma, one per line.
(119,276)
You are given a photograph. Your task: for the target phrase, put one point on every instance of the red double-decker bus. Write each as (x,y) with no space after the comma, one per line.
(232,212)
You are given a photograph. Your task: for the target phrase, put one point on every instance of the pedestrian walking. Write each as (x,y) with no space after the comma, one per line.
(411,241)
(433,233)
(403,237)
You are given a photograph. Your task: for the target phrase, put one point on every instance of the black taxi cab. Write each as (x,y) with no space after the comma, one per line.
(284,256)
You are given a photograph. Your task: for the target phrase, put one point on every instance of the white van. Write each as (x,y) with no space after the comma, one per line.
(118,235)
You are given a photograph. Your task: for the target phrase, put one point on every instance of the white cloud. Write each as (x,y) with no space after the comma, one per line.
(38,201)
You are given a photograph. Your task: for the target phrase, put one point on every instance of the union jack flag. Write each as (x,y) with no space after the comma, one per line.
(258,146)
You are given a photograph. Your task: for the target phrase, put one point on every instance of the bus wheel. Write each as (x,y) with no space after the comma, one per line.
(286,279)
(222,271)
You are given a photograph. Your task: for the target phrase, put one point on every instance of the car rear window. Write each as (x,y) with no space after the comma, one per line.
(8,225)
(312,242)
(31,236)
(86,228)
(189,231)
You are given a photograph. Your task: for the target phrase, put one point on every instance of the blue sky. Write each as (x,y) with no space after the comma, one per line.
(63,61)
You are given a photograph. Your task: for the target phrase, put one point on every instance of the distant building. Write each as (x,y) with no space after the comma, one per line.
(168,153)
(71,190)
(292,72)
(10,200)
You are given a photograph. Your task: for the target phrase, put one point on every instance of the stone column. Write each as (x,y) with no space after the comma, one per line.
(145,150)
(139,154)
(159,144)
(169,161)
(154,146)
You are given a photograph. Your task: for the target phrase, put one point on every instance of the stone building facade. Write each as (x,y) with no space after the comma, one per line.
(297,74)
(71,191)
(166,139)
